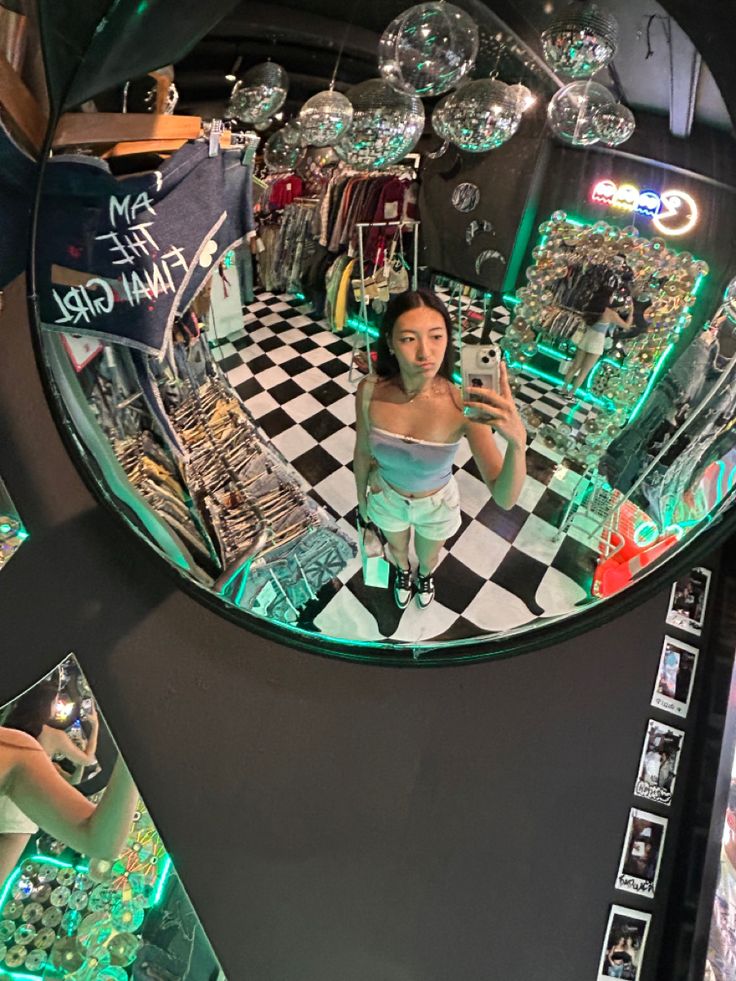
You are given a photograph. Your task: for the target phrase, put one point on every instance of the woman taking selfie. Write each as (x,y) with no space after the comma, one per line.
(411,418)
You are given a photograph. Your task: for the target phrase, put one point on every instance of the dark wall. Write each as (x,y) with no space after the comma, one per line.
(333,820)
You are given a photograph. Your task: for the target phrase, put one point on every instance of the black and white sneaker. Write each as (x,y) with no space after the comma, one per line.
(425,591)
(402,588)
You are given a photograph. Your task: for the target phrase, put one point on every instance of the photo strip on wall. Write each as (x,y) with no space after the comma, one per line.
(689,600)
(641,856)
(675,676)
(624,944)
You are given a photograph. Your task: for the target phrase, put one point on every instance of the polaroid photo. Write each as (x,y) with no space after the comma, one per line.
(624,943)
(660,759)
(641,857)
(675,676)
(688,601)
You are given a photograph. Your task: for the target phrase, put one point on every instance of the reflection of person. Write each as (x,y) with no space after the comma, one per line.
(410,422)
(34,793)
(600,320)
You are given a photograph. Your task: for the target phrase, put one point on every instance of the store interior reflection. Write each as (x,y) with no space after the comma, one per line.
(212,305)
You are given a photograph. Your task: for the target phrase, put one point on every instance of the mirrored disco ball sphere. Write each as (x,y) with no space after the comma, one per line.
(581,40)
(441,118)
(572,109)
(278,155)
(482,115)
(427,49)
(386,125)
(292,133)
(614,124)
(325,118)
(521,97)
(314,160)
(259,93)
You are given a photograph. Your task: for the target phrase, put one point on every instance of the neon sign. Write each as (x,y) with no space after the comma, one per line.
(672,212)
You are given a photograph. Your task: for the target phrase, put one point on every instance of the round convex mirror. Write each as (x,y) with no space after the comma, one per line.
(342,418)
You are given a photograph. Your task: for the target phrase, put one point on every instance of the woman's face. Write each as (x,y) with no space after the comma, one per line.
(419,341)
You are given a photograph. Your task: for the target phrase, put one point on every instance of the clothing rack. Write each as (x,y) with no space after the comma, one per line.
(399,223)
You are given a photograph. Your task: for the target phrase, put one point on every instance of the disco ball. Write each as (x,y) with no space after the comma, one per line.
(521,97)
(482,115)
(292,133)
(314,160)
(614,124)
(259,93)
(325,118)
(441,118)
(571,111)
(278,155)
(428,48)
(386,125)
(581,40)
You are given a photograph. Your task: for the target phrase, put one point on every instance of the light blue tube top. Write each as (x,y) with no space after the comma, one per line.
(414,465)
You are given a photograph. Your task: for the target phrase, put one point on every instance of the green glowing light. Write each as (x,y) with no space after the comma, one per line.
(163,879)
(300,296)
(362,327)
(142,7)
(558,382)
(509,298)
(646,534)
(5,528)
(23,534)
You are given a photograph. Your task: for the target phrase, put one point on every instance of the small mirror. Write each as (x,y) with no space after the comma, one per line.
(118,914)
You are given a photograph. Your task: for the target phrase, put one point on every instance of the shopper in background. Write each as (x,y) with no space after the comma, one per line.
(410,422)
(600,321)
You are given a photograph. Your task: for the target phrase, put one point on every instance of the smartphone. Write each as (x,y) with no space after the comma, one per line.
(479,366)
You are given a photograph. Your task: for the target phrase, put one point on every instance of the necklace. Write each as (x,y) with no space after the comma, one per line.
(422,393)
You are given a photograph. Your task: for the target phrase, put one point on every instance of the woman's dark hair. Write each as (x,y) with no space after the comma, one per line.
(32,711)
(386,364)
(597,305)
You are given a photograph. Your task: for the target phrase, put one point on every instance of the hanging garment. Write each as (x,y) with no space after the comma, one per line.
(17,177)
(119,258)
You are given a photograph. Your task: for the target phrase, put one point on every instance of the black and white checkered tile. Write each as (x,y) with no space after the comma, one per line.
(501,570)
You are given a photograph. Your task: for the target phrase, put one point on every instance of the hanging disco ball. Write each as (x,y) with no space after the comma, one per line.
(314,161)
(386,125)
(441,118)
(259,93)
(293,133)
(278,155)
(325,118)
(482,115)
(571,111)
(427,49)
(581,40)
(614,124)
(521,96)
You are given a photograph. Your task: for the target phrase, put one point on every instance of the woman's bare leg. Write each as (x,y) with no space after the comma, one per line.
(428,552)
(587,366)
(398,543)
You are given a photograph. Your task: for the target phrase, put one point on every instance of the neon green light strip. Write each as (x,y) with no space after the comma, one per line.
(163,878)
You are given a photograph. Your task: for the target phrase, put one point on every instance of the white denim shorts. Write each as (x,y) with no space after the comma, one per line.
(436,517)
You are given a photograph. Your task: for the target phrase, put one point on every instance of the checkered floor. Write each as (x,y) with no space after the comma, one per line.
(503,569)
